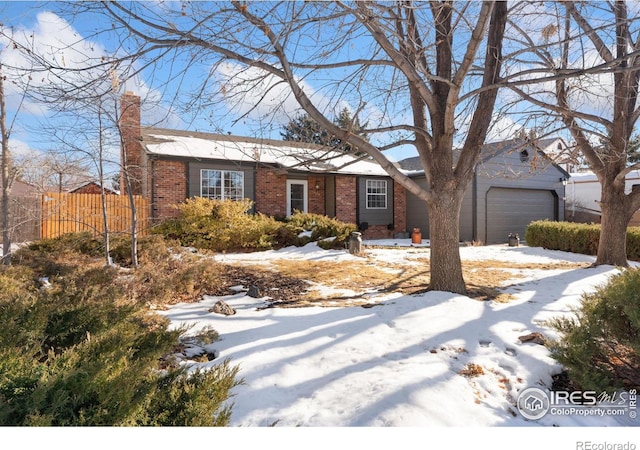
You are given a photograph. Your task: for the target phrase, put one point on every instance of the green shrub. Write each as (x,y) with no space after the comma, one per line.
(152,249)
(83,243)
(81,352)
(205,393)
(175,281)
(226,225)
(600,344)
(633,243)
(330,233)
(576,237)
(219,225)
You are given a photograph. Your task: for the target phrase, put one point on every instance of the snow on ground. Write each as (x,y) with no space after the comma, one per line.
(391,366)
(398,364)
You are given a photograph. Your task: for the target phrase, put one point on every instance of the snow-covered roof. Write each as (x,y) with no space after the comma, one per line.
(283,154)
(589,176)
(578,177)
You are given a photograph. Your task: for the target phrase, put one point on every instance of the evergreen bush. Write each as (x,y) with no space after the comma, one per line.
(83,352)
(219,225)
(600,343)
(224,225)
(330,233)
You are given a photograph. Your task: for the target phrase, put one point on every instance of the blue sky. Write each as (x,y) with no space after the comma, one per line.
(68,42)
(39,22)
(36,22)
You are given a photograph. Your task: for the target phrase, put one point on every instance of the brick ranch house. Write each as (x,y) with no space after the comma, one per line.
(169,166)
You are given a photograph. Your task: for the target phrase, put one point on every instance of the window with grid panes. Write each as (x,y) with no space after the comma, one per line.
(376,194)
(222,184)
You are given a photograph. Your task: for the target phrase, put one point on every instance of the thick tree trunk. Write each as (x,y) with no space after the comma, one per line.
(444,235)
(612,246)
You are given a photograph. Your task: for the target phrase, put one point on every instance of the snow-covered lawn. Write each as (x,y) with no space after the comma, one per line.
(400,363)
(360,376)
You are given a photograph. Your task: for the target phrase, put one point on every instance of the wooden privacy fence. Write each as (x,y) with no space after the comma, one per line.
(24,218)
(71,213)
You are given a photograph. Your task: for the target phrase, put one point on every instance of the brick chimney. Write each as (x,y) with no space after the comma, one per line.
(132,153)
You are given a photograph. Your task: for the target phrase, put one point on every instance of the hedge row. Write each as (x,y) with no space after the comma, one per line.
(576,237)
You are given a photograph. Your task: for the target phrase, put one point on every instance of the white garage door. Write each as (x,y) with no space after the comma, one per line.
(511,210)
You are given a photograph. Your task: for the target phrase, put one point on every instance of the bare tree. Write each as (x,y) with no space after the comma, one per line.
(423,74)
(597,46)
(58,170)
(90,137)
(8,169)
(6,176)
(77,92)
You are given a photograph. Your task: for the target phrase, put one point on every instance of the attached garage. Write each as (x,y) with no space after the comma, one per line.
(513,185)
(511,210)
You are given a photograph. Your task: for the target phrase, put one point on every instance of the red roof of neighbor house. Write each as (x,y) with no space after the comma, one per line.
(91,188)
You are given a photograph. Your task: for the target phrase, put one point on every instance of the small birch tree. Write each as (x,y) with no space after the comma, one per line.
(7,180)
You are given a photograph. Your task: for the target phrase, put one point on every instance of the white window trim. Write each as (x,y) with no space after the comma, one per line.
(222,173)
(305,184)
(386,195)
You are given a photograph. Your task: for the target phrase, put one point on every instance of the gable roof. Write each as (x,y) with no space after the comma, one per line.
(491,149)
(92,185)
(288,155)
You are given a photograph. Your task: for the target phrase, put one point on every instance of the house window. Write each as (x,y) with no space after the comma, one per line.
(222,184)
(297,196)
(376,194)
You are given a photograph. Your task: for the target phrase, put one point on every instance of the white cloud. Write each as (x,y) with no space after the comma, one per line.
(261,96)
(503,128)
(252,92)
(55,41)
(77,61)
(21,149)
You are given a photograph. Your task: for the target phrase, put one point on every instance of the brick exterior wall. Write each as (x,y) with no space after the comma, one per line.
(316,196)
(165,182)
(132,154)
(271,193)
(169,188)
(346,201)
(399,214)
(399,208)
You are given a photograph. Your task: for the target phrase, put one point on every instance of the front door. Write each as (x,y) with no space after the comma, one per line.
(296,196)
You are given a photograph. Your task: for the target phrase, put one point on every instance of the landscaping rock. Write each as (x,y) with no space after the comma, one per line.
(254,291)
(534,338)
(223,308)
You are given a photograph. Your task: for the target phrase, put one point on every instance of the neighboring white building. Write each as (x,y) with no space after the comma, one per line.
(583,196)
(563,155)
